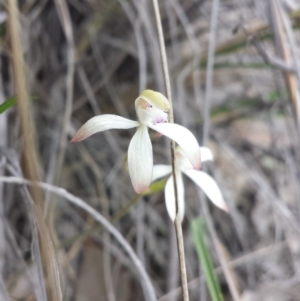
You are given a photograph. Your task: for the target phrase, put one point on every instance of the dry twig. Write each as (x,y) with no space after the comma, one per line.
(177,223)
(30,157)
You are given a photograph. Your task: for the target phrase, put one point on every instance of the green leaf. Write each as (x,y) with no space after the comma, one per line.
(197,229)
(7,104)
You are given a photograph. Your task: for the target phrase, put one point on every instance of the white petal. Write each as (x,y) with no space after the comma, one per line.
(183,137)
(102,123)
(206,154)
(170,197)
(140,159)
(160,171)
(209,186)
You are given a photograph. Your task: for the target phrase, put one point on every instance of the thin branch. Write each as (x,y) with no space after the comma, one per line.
(34,284)
(268,59)
(285,52)
(43,243)
(148,288)
(39,285)
(191,66)
(177,223)
(143,10)
(206,128)
(173,266)
(163,57)
(3,144)
(54,175)
(66,22)
(3,290)
(292,40)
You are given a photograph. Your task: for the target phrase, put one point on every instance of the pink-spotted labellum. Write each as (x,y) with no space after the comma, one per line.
(201,179)
(152,110)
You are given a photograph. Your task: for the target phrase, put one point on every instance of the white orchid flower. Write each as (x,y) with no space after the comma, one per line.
(152,110)
(202,179)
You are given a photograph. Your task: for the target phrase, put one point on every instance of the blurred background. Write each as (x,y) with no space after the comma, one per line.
(235,71)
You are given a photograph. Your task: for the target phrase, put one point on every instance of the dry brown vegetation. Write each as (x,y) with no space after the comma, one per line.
(235,85)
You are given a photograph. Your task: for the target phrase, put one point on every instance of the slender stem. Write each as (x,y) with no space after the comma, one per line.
(287,53)
(182,267)
(42,244)
(163,57)
(177,222)
(3,144)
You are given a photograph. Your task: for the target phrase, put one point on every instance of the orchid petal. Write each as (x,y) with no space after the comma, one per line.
(183,137)
(102,123)
(160,171)
(140,159)
(206,154)
(209,186)
(170,197)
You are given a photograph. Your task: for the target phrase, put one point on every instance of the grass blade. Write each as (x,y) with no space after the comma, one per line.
(7,104)
(197,228)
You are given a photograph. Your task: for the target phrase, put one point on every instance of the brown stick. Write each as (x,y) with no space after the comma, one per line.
(29,154)
(177,223)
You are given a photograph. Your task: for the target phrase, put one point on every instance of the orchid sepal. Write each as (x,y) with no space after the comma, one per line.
(183,137)
(102,123)
(209,186)
(170,196)
(140,160)
(201,179)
